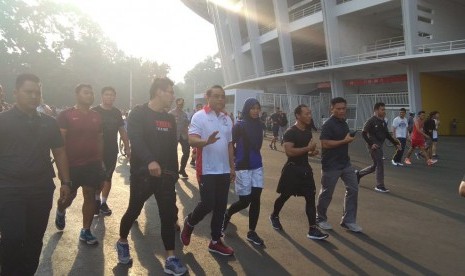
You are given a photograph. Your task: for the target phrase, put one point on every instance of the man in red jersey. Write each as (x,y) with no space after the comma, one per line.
(82,131)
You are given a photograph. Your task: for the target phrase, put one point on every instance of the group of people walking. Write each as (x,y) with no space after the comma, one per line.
(83,141)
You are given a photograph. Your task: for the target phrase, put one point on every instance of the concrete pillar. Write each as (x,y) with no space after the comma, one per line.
(252,18)
(410,23)
(330,25)
(337,86)
(225,50)
(414,89)
(236,42)
(281,11)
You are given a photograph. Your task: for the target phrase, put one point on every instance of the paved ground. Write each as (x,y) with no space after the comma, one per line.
(417,229)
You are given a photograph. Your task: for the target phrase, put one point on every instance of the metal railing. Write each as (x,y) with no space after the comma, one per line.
(379,54)
(338,2)
(265,29)
(359,105)
(304,12)
(441,46)
(310,65)
(387,43)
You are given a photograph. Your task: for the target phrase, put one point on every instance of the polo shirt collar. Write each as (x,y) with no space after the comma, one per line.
(21,114)
(208,109)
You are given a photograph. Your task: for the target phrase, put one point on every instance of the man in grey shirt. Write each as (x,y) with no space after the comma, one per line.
(335,139)
(182,123)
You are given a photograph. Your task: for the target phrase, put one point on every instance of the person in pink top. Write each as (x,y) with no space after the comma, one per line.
(418,139)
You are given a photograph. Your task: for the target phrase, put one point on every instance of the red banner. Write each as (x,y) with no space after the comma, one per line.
(362,82)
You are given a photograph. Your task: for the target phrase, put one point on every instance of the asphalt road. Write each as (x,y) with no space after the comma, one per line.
(417,229)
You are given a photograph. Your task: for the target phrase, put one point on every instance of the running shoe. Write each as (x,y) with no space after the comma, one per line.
(418,155)
(275,147)
(315,234)
(183,173)
(394,163)
(407,161)
(220,248)
(192,163)
(271,146)
(351,227)
(324,225)
(400,164)
(431,162)
(104,210)
(186,233)
(60,221)
(124,256)
(87,237)
(174,266)
(381,189)
(252,236)
(276,223)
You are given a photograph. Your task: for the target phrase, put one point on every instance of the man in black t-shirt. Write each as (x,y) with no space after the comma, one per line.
(297,176)
(335,139)
(112,121)
(154,170)
(26,177)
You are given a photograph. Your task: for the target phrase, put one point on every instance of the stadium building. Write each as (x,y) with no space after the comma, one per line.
(406,53)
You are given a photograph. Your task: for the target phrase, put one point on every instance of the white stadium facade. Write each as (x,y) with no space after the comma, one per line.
(406,53)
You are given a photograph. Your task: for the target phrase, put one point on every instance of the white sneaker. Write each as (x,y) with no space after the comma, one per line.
(324,225)
(400,164)
(394,163)
(354,227)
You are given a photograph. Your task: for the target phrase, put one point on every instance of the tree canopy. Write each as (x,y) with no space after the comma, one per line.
(65,47)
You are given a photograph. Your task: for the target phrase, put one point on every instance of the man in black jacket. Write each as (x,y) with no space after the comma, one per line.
(375,131)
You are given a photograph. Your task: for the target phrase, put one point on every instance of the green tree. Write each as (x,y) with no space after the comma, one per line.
(66,47)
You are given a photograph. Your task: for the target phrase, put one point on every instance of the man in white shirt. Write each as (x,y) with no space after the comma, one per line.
(210,132)
(399,129)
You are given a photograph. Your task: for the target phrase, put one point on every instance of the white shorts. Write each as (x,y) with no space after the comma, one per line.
(246,179)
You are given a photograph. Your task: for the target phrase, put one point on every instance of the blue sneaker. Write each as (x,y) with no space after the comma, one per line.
(174,266)
(87,237)
(124,257)
(60,221)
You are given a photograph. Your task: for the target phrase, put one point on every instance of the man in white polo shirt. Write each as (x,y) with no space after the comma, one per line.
(211,133)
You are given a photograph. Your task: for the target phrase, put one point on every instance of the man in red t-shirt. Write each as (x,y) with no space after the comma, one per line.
(82,131)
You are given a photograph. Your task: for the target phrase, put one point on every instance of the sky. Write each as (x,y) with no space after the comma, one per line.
(165,31)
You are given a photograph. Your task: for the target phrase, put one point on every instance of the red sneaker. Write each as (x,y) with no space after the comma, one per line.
(220,248)
(186,233)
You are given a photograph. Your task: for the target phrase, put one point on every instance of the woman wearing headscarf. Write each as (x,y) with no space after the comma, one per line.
(247,140)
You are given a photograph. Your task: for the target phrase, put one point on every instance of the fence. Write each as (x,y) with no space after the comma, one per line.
(359,106)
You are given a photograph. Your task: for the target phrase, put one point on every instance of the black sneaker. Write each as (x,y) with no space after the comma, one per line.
(381,189)
(98,204)
(183,173)
(315,234)
(226,220)
(271,146)
(276,223)
(252,236)
(104,210)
